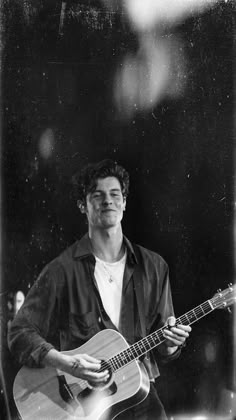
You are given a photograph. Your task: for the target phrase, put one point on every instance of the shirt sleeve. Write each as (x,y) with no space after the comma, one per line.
(165,310)
(30,327)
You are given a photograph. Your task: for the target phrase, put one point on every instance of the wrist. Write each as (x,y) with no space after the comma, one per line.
(167,350)
(57,359)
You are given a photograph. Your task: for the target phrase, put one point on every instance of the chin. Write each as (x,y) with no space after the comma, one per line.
(109,225)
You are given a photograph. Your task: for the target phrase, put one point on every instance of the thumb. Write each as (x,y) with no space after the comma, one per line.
(171,321)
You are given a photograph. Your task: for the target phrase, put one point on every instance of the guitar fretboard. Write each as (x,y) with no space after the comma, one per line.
(148,343)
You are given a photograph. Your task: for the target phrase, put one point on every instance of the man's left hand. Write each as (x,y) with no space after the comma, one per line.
(175,335)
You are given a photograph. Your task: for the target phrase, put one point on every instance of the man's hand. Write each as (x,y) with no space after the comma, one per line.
(87,367)
(175,335)
(80,365)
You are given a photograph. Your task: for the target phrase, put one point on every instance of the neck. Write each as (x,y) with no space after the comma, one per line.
(108,244)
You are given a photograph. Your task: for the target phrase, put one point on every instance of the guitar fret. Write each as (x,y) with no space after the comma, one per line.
(129,354)
(160,336)
(201,310)
(185,319)
(113,363)
(122,358)
(191,316)
(147,344)
(140,348)
(116,362)
(155,339)
(152,339)
(208,307)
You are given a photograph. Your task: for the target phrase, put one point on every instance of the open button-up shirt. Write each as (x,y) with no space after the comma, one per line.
(63,309)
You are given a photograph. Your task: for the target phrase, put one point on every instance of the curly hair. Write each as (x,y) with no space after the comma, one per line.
(85,181)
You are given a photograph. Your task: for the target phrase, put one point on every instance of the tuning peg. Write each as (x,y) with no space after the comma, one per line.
(229,310)
(230,284)
(219,290)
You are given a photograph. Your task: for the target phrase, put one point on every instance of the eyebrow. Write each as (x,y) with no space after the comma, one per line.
(112,189)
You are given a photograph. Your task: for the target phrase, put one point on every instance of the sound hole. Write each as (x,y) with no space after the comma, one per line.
(88,399)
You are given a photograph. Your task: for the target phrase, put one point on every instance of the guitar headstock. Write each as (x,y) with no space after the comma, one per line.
(224,298)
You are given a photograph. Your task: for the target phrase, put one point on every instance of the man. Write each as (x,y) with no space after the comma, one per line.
(93,286)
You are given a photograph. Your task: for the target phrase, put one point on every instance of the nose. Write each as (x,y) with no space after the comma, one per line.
(107,200)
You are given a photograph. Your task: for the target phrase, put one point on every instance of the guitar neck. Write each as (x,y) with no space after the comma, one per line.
(153,340)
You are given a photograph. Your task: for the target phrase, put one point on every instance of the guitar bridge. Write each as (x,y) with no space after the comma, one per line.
(64,389)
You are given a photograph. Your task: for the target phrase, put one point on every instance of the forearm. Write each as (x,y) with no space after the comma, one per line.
(56,359)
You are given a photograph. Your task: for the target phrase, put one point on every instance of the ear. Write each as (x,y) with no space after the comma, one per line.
(124,204)
(81,206)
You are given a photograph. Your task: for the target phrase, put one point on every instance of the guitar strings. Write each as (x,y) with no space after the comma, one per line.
(119,360)
(146,344)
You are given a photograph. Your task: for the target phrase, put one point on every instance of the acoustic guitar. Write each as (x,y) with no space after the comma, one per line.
(50,394)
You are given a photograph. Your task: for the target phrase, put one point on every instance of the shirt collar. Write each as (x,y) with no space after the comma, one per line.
(83,248)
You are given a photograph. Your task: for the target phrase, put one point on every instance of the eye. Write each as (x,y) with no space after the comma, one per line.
(96,195)
(116,194)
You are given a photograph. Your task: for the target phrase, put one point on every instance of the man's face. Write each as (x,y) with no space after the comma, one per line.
(105,205)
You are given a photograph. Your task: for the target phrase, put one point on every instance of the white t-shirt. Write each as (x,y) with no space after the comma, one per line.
(109,278)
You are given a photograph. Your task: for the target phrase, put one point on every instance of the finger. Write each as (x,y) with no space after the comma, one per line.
(91,366)
(171,321)
(176,333)
(96,376)
(172,342)
(179,331)
(99,375)
(184,327)
(88,362)
(91,358)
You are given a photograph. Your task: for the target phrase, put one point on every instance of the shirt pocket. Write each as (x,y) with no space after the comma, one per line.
(82,326)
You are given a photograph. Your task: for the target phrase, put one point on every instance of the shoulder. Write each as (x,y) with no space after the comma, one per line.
(61,264)
(149,257)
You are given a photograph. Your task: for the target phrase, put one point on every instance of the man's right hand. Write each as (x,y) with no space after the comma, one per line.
(87,367)
(81,366)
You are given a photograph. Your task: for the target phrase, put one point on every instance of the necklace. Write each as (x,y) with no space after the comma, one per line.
(112,270)
(110,277)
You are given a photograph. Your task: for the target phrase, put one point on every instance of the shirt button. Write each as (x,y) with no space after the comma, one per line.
(99,319)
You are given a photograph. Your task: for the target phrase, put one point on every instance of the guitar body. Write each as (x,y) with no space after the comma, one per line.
(48,394)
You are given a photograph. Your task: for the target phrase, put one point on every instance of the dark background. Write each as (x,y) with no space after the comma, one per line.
(179,154)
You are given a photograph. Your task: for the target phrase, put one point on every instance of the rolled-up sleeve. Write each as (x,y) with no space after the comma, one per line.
(29,329)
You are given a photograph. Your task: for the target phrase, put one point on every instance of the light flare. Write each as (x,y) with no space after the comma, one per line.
(156,71)
(46,143)
(146,15)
